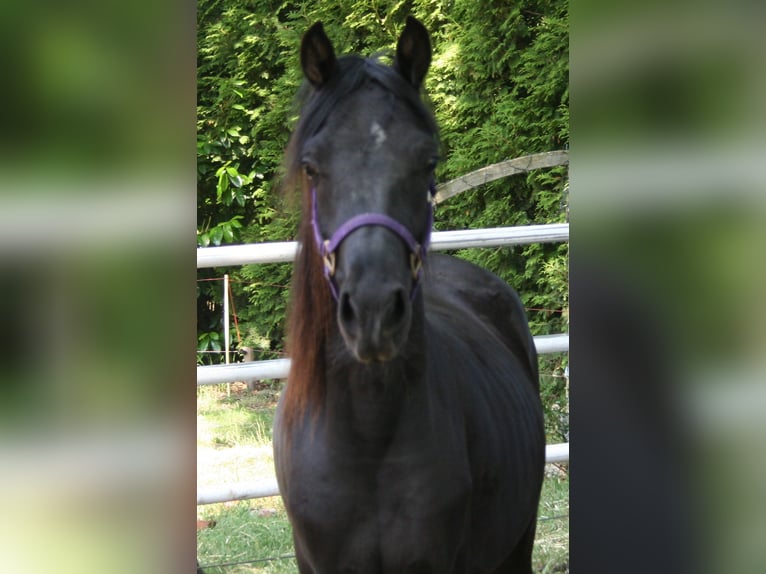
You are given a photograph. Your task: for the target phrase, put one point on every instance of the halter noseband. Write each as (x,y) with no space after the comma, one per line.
(327,247)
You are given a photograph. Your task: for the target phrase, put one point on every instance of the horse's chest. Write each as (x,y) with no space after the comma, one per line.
(399,511)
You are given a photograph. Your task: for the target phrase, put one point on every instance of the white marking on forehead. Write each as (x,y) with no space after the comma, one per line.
(377,133)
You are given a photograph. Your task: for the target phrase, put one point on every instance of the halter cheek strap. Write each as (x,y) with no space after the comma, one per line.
(328,247)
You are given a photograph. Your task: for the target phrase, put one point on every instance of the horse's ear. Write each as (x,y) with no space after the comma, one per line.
(413,52)
(317,56)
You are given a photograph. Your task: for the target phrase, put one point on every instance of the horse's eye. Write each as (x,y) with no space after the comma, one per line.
(309,169)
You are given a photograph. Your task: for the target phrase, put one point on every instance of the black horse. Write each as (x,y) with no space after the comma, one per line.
(409,437)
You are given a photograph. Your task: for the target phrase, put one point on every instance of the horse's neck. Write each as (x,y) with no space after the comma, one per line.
(365,403)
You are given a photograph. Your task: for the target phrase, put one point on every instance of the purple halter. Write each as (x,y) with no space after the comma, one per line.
(327,247)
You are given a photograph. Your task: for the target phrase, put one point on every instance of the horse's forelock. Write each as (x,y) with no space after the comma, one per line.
(316,105)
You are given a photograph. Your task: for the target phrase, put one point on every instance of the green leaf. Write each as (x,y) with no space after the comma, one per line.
(223,185)
(216,234)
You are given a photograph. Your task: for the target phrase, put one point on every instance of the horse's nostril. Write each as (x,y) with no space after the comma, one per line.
(399,308)
(346,309)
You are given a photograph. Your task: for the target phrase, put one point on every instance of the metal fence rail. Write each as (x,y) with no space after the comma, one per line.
(268,487)
(284,251)
(278,368)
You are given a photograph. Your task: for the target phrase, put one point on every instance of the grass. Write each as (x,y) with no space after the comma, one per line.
(551,553)
(254,536)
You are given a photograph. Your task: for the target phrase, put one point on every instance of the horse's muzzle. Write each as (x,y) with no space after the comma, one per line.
(374,320)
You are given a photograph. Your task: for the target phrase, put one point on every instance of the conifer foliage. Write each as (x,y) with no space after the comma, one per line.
(498,85)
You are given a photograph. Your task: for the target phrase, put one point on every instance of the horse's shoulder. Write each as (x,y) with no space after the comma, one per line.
(457,275)
(463,288)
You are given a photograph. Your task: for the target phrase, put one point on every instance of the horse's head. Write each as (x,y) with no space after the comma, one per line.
(368,148)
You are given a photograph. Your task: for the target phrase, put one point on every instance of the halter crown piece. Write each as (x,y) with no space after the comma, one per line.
(327,247)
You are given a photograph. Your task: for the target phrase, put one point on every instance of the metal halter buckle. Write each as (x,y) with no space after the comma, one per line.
(416,262)
(329,259)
